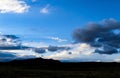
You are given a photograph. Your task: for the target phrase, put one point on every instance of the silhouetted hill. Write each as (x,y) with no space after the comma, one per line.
(35,61)
(57,65)
(48,68)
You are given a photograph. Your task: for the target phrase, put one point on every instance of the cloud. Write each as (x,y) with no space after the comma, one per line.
(57,48)
(13,6)
(96,42)
(106,50)
(45,9)
(82,52)
(103,36)
(11,48)
(52,48)
(34,44)
(11,36)
(39,50)
(117,60)
(33,0)
(6,56)
(76,50)
(22,53)
(8,42)
(12,42)
(2,54)
(57,39)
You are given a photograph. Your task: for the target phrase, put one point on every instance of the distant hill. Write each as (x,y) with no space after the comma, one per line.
(48,68)
(55,64)
(34,61)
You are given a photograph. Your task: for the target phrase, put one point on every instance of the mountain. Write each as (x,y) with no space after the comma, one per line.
(41,63)
(48,68)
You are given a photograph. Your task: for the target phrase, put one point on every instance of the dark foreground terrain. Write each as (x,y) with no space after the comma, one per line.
(41,68)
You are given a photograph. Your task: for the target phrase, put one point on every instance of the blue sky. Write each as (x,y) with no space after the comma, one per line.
(53,21)
(62,18)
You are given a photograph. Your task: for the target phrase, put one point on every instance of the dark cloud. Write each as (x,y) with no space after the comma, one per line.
(106,50)
(70,53)
(13,47)
(100,35)
(10,47)
(52,48)
(39,50)
(56,48)
(11,36)
(5,56)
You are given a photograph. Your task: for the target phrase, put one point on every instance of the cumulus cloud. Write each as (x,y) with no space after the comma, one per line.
(96,42)
(45,9)
(13,6)
(57,39)
(82,52)
(103,36)
(74,51)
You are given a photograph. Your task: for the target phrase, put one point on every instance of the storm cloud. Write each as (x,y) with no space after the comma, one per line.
(105,36)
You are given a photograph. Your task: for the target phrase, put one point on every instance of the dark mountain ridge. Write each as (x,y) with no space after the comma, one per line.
(57,65)
(48,68)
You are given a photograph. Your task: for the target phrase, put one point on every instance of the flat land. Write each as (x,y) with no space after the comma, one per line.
(63,70)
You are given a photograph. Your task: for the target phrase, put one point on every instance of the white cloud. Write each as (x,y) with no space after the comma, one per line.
(80,52)
(34,0)
(83,53)
(45,9)
(14,6)
(35,44)
(117,60)
(22,53)
(57,39)
(77,50)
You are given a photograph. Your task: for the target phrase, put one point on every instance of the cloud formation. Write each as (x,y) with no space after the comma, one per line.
(56,48)
(6,56)
(57,39)
(45,9)
(8,42)
(104,36)
(33,0)
(13,6)
(96,42)
(82,52)
(75,51)
(39,50)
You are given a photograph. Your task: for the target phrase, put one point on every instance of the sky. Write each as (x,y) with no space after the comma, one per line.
(53,28)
